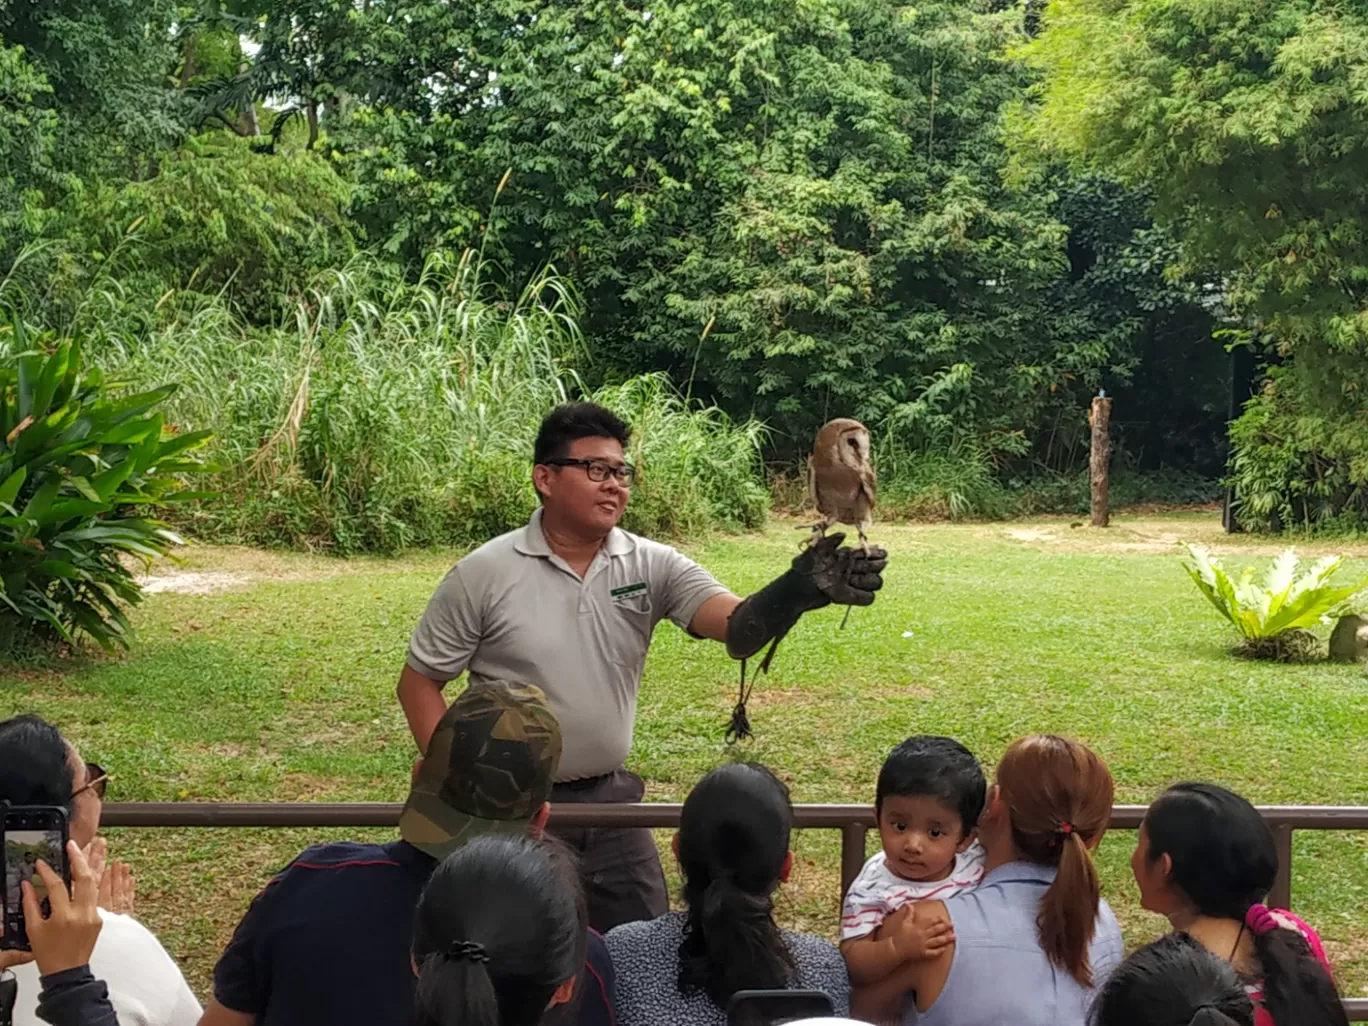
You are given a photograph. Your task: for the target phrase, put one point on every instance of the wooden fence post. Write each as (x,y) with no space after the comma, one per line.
(1098,463)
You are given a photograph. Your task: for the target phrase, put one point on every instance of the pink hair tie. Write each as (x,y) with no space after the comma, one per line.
(1259,919)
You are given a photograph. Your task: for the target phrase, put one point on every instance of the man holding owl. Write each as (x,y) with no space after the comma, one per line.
(569,603)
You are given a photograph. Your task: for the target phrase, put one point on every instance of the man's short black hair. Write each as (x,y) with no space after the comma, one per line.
(927,766)
(572,421)
(35,765)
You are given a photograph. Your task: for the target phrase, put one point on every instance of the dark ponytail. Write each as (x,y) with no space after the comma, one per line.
(500,927)
(733,842)
(1224,863)
(1172,982)
(1296,987)
(1058,795)
(455,991)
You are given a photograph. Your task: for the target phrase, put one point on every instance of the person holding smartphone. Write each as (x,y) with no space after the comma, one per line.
(62,942)
(39,767)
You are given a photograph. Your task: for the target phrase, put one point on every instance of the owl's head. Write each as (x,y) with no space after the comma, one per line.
(852,448)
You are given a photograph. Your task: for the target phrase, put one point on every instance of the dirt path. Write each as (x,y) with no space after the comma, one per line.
(214,569)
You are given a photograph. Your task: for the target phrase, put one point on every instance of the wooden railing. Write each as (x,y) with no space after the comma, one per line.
(853,821)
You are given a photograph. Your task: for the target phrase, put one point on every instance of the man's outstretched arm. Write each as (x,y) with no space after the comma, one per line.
(711,619)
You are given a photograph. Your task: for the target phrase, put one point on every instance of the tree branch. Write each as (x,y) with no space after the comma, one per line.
(235,127)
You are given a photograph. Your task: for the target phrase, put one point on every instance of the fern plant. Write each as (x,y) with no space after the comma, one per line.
(79,460)
(1273,617)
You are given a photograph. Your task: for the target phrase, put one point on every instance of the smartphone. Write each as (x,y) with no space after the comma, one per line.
(772,1007)
(31,832)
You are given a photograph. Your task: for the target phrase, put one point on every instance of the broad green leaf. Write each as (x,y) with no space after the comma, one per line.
(107,483)
(67,509)
(54,370)
(60,568)
(1281,575)
(9,490)
(41,499)
(182,443)
(85,488)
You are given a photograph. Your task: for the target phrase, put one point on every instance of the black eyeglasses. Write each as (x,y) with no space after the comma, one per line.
(97,780)
(599,470)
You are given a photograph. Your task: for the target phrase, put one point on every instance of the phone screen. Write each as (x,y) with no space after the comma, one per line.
(773,1008)
(36,835)
(23,849)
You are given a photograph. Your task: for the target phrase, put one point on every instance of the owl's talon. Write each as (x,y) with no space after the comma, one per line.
(816,533)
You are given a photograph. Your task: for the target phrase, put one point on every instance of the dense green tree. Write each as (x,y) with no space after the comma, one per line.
(107,62)
(795,208)
(1247,122)
(27,130)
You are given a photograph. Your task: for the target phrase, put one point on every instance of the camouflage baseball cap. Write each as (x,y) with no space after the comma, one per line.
(488,768)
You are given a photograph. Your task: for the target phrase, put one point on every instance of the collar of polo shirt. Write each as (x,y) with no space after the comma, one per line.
(532,540)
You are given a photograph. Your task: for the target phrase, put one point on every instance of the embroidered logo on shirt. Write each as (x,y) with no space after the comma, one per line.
(628,590)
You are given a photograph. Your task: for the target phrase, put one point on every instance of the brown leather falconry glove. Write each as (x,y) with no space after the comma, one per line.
(819,576)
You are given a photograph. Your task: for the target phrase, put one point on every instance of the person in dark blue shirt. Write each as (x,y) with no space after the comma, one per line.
(330,938)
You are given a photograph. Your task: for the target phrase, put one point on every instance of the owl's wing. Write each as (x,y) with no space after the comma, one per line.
(812,483)
(869,482)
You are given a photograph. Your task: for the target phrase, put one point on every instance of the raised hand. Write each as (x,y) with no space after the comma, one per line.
(66,938)
(117,888)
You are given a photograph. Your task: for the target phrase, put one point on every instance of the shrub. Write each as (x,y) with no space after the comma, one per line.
(1273,617)
(387,413)
(698,469)
(79,460)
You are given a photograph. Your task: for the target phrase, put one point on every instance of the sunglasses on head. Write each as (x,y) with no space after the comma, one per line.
(97,780)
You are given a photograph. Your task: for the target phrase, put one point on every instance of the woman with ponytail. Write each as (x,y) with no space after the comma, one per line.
(499,937)
(1206,860)
(1173,982)
(733,852)
(1034,939)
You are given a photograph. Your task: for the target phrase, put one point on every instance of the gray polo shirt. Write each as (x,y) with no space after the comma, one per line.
(513,610)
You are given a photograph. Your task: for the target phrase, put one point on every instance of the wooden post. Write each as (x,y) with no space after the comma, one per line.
(1281,894)
(1100,419)
(852,854)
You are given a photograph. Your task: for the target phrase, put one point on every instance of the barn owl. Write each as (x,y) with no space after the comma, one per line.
(841,480)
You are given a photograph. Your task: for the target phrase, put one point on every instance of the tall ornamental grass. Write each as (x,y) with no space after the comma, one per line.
(385,413)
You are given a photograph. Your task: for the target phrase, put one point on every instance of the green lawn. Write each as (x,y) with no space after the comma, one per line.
(281,688)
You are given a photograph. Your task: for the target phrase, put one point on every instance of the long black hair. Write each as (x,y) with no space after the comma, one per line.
(1225,862)
(733,842)
(500,926)
(1173,982)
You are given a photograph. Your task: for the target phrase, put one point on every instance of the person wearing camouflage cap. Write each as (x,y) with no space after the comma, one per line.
(329,938)
(488,769)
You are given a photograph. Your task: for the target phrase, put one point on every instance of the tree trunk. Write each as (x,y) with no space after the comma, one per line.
(249,113)
(1100,419)
(313,124)
(188,61)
